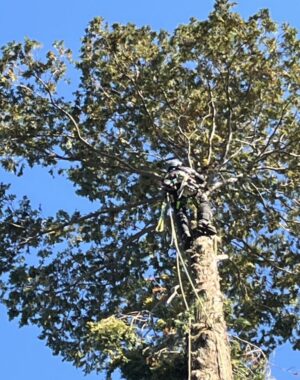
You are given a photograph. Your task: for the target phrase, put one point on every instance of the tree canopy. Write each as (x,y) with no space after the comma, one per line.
(222,95)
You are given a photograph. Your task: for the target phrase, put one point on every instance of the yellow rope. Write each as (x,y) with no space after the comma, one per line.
(161,222)
(180,283)
(174,239)
(178,255)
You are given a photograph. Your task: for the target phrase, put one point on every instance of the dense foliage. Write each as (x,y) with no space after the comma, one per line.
(223,96)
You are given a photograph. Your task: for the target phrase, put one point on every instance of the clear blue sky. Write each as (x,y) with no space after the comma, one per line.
(22,355)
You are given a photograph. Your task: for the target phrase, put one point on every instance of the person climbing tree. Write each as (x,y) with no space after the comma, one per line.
(186,188)
(220,93)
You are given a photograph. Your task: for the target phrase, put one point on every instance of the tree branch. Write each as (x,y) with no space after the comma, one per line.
(214,126)
(124,165)
(79,219)
(272,135)
(222,183)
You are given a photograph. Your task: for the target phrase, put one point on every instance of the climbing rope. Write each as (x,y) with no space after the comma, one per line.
(178,259)
(167,209)
(179,254)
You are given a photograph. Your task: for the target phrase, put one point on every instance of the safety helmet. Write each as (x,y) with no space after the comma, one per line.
(174,163)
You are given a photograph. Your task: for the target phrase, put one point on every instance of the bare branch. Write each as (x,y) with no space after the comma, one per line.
(236,153)
(222,183)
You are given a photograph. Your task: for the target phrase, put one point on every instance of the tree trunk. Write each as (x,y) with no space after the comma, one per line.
(210,350)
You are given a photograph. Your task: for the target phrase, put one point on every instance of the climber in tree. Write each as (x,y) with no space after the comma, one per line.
(185,184)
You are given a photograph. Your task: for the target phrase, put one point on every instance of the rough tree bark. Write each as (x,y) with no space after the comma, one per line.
(210,350)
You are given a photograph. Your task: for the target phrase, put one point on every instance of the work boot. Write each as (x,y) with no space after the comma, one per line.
(205,227)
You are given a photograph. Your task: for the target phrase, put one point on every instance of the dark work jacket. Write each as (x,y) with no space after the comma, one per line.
(173,179)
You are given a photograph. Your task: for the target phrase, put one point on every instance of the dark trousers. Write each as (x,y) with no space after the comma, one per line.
(182,218)
(204,208)
(182,222)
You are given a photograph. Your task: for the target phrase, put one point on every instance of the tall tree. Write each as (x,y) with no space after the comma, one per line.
(223,96)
